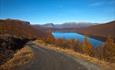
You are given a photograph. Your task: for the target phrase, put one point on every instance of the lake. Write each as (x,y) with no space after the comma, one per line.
(73,35)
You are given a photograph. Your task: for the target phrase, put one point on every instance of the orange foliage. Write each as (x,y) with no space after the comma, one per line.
(49,38)
(87,46)
(109,49)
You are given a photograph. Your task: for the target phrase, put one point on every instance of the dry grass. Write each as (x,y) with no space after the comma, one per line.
(22,57)
(103,64)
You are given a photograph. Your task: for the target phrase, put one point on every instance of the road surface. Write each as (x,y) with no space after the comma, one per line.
(46,59)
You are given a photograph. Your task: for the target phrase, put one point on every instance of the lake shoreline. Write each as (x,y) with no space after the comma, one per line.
(76,36)
(101,38)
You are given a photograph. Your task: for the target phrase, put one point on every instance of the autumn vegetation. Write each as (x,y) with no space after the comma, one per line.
(13,36)
(15,33)
(105,52)
(21,57)
(100,31)
(20,29)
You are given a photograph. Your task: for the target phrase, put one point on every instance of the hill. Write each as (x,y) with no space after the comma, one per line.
(100,31)
(13,36)
(19,28)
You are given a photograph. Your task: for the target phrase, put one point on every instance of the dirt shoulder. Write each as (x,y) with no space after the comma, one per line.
(89,62)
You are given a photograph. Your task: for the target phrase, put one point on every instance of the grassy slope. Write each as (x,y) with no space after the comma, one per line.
(22,57)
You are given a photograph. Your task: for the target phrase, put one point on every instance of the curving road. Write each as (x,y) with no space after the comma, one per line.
(46,59)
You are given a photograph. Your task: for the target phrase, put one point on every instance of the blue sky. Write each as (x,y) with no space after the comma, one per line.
(58,11)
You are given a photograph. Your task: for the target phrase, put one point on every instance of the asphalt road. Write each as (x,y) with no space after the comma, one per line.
(46,59)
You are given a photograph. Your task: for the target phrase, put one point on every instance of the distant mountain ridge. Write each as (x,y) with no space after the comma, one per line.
(69,25)
(48,25)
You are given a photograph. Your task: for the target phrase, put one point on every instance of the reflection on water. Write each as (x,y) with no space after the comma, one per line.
(73,35)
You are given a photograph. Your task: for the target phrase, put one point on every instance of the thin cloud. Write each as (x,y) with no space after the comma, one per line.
(103,3)
(97,4)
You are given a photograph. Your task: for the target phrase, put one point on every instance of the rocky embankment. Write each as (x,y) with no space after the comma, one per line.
(8,46)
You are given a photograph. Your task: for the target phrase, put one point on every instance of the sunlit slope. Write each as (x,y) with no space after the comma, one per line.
(20,29)
(100,30)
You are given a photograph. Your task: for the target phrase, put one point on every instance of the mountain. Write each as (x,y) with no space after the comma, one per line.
(75,25)
(19,28)
(68,25)
(100,31)
(51,25)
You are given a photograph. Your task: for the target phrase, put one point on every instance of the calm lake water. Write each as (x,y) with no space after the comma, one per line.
(73,35)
